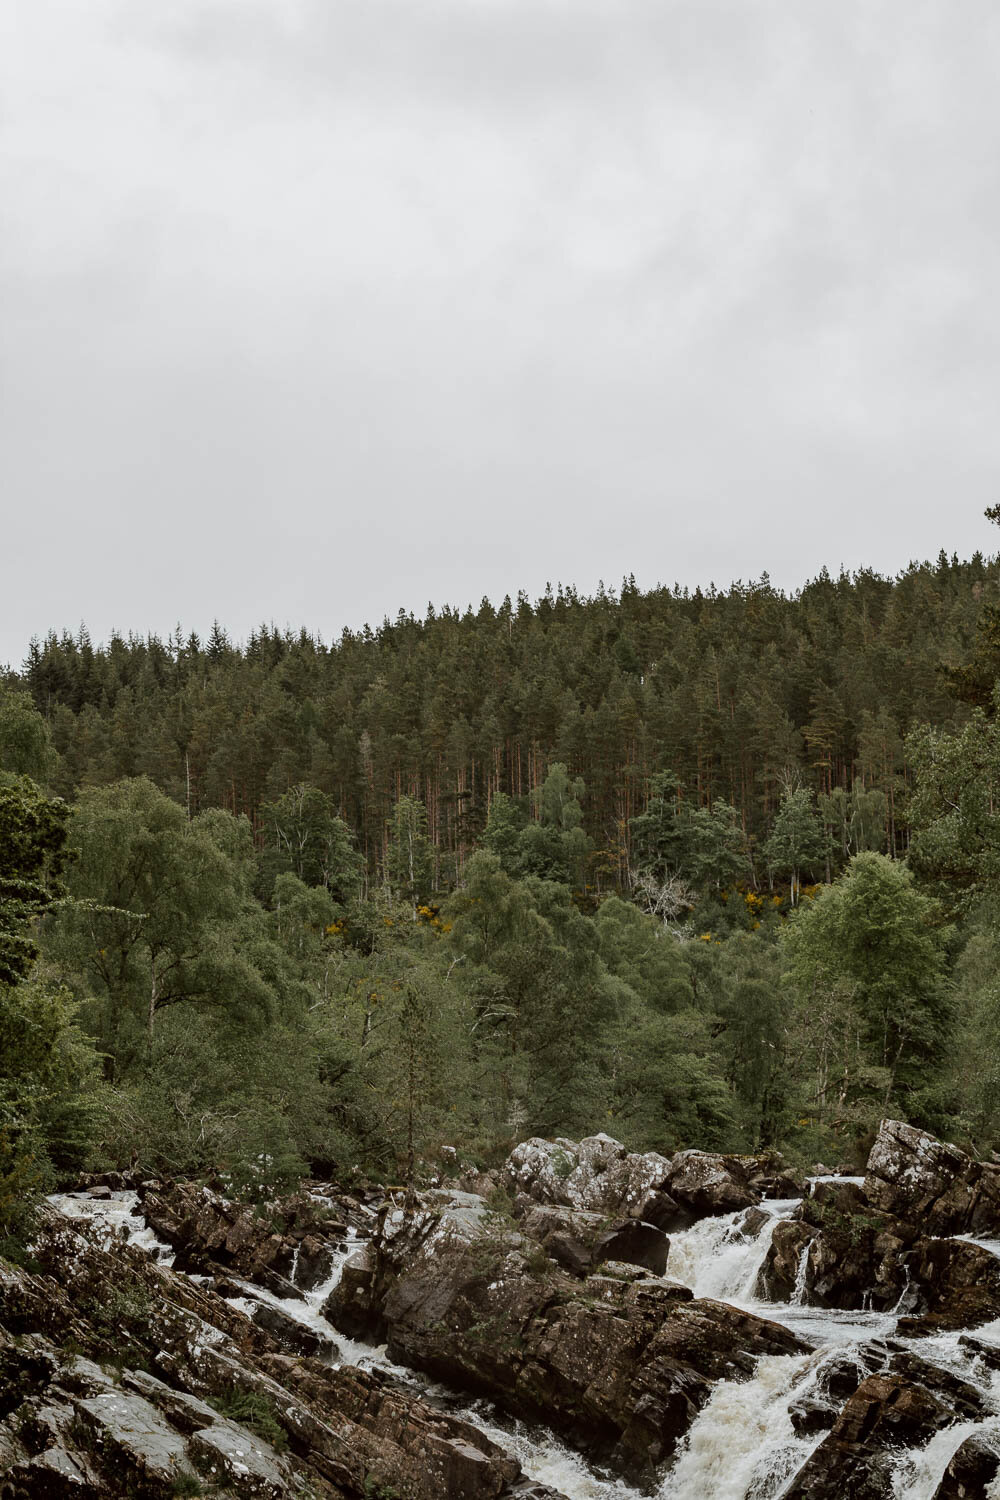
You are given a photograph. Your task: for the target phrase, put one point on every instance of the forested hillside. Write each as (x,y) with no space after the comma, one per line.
(702,869)
(732,692)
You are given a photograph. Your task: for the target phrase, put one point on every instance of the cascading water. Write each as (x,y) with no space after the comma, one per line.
(117,1217)
(799,1292)
(742,1444)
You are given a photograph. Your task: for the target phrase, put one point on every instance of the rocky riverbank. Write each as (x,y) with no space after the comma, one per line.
(167,1341)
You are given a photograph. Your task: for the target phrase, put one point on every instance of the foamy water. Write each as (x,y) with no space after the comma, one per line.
(741,1446)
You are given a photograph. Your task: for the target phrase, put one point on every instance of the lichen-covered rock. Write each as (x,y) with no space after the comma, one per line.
(911,1175)
(707,1183)
(598,1175)
(176,1387)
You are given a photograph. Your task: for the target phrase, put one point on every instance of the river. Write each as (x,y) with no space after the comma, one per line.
(742,1445)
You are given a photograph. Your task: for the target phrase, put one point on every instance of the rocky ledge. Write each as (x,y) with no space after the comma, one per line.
(619,1362)
(890,1244)
(119,1377)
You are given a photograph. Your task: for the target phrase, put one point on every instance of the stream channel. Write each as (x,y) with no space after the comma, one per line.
(742,1445)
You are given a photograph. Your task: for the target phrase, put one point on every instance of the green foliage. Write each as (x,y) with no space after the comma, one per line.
(119,1315)
(410,860)
(253,1410)
(670,1090)
(32,858)
(162,915)
(459,880)
(703,846)
(187,1484)
(797,843)
(47,1067)
(955,810)
(25,743)
(874,945)
(304,836)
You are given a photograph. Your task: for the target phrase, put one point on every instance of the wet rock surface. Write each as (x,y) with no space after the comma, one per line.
(896,1408)
(122,1378)
(621,1367)
(119,1376)
(971,1471)
(843,1251)
(291,1241)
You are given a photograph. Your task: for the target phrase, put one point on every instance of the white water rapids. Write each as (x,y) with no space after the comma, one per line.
(742,1445)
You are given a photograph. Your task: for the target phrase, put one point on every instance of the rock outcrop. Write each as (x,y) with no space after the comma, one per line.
(290,1244)
(598,1175)
(899,1407)
(911,1175)
(843,1250)
(619,1365)
(120,1378)
(839,1252)
(581,1241)
(972,1469)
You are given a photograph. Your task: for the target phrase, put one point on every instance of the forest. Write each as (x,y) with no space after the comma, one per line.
(696,868)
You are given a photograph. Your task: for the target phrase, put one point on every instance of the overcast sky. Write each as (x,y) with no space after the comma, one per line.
(316,308)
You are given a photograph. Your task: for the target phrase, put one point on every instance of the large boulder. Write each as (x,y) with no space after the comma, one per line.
(839,1252)
(598,1175)
(970,1472)
(620,1366)
(957,1286)
(284,1244)
(911,1175)
(900,1407)
(706,1183)
(580,1241)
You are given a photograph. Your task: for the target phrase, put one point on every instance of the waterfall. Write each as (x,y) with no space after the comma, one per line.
(717,1258)
(800,1290)
(743,1442)
(742,1445)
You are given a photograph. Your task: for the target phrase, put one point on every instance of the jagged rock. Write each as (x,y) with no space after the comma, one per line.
(959,1285)
(69,1428)
(900,1407)
(290,1333)
(579,1241)
(208,1230)
(988,1353)
(621,1368)
(598,1175)
(313,1260)
(752,1222)
(837,1378)
(710,1184)
(911,1175)
(972,1469)
(854,1257)
(772,1179)
(779,1273)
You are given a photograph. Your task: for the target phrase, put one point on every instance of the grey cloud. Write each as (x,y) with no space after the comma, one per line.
(317,309)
